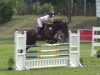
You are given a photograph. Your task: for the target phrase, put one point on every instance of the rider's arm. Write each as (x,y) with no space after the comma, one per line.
(50,21)
(47,20)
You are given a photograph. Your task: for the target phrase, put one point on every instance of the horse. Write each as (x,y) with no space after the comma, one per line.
(49,33)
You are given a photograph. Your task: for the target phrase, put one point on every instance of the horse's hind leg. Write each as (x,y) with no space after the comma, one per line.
(27,48)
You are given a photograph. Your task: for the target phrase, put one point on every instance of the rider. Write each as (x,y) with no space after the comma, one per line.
(47,19)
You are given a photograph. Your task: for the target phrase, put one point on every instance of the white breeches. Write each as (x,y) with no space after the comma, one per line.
(39,23)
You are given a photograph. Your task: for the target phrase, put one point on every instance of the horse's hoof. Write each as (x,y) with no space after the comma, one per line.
(51,41)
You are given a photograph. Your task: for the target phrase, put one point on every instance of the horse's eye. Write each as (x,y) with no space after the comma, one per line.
(50,28)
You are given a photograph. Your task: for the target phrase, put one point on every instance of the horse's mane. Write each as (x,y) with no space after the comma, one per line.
(59,24)
(57,21)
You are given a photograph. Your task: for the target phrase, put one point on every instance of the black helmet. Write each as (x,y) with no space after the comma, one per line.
(51,13)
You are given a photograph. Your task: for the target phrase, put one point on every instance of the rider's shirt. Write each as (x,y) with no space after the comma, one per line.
(46,18)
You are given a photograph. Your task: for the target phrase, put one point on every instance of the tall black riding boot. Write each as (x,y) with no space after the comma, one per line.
(39,31)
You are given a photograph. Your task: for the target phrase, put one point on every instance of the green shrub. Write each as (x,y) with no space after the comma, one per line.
(42,9)
(37,8)
(10,63)
(6,10)
(47,7)
(20,7)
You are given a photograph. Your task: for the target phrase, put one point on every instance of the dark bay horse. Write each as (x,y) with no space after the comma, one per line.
(49,33)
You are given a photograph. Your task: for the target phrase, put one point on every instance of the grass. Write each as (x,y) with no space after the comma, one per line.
(6,50)
(30,21)
(91,65)
(21,22)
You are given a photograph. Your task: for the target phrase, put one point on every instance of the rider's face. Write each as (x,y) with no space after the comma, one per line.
(50,16)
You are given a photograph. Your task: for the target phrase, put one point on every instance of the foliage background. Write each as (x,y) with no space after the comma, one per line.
(69,8)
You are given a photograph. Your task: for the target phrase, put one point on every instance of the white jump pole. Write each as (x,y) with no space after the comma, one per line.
(20,50)
(74,47)
(20,53)
(95,43)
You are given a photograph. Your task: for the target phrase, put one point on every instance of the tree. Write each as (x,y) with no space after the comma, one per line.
(85,7)
(60,6)
(6,10)
(20,7)
(42,8)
